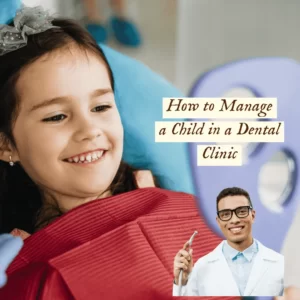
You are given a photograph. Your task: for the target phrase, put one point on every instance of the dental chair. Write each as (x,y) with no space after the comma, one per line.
(140,107)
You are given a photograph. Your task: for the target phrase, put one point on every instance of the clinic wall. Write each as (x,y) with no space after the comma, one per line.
(52,5)
(214,32)
(73,8)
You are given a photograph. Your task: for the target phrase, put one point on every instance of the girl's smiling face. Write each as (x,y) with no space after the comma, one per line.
(67,110)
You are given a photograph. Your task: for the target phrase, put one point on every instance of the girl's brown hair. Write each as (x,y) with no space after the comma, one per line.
(21,203)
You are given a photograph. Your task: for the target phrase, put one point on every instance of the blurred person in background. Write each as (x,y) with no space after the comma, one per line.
(124,30)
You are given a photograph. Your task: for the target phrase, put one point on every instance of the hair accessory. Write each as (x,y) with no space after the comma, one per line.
(11,162)
(28,21)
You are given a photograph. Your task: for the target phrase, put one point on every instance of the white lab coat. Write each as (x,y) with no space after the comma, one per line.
(211,275)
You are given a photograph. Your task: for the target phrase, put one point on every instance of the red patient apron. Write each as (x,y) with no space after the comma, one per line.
(121,247)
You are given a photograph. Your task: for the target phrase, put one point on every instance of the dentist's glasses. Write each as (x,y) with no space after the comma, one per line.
(240,212)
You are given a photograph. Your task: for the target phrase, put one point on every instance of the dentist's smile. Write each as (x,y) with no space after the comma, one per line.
(236,229)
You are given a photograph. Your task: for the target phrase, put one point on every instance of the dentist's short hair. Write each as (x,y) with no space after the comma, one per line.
(233,191)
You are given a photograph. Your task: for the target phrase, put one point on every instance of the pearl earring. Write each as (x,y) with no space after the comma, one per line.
(11,162)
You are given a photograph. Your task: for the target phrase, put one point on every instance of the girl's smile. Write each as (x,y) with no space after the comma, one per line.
(90,158)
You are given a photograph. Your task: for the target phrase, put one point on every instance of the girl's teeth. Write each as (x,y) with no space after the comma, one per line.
(86,159)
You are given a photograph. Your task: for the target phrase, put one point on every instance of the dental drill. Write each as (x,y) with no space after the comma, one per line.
(181,271)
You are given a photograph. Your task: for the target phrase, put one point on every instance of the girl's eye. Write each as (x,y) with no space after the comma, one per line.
(57,118)
(61,117)
(101,108)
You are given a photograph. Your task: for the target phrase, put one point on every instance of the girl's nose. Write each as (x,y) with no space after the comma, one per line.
(87,129)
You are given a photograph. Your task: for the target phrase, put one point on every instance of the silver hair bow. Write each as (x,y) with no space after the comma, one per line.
(28,21)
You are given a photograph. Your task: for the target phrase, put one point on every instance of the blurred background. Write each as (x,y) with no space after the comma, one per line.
(156,21)
(214,48)
(184,38)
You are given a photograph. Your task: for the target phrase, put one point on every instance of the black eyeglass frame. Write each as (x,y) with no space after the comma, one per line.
(235,211)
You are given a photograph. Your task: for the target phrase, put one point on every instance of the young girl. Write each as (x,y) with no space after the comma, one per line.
(93,233)
(59,131)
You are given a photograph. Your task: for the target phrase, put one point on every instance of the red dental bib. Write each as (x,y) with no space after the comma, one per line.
(121,247)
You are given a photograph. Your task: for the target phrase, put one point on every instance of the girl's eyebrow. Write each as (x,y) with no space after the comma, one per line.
(60,100)
(100,92)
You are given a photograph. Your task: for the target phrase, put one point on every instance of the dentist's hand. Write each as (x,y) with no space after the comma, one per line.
(9,249)
(183,260)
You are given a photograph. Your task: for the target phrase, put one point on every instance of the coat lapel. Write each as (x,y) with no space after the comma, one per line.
(224,278)
(260,268)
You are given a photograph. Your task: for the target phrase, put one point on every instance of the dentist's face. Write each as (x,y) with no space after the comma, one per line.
(236,229)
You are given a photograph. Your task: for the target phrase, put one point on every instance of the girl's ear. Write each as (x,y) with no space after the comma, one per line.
(144,179)
(7,150)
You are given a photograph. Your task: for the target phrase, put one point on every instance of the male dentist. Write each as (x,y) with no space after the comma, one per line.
(238,266)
